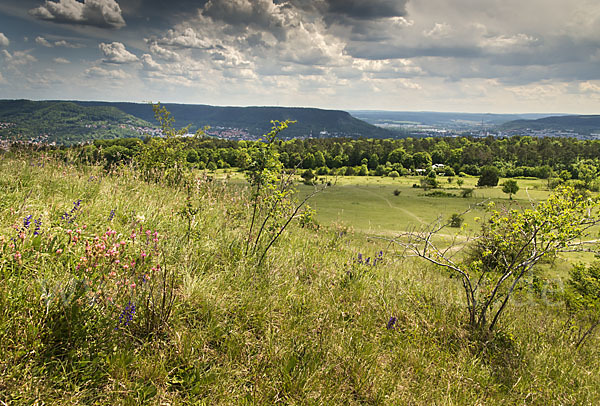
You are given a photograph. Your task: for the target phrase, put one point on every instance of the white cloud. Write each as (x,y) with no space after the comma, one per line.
(590,87)
(164,53)
(98,72)
(116,53)
(18,58)
(187,38)
(67,44)
(98,13)
(2,80)
(61,60)
(43,42)
(4,42)
(149,63)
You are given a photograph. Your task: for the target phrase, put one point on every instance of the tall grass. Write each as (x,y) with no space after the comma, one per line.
(307,327)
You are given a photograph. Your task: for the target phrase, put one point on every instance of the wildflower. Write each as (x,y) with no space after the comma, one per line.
(111,216)
(17,255)
(391,323)
(27,221)
(59,251)
(126,315)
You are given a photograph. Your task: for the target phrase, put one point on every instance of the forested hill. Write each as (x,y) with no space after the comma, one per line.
(65,122)
(256,121)
(587,125)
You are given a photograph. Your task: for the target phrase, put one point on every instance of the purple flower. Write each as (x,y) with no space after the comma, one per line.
(391,323)
(126,315)
(27,221)
(38,225)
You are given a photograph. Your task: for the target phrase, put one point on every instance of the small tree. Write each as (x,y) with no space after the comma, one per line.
(490,175)
(272,204)
(582,298)
(509,245)
(510,187)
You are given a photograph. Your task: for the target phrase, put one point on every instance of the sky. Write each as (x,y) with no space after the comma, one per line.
(481,56)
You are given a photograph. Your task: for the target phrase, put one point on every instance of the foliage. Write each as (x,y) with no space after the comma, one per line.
(273,206)
(456,220)
(582,299)
(489,176)
(316,326)
(165,158)
(509,245)
(510,187)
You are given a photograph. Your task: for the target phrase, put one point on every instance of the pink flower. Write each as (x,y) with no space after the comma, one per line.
(59,251)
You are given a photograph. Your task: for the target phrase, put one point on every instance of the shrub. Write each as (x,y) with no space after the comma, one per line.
(490,175)
(456,220)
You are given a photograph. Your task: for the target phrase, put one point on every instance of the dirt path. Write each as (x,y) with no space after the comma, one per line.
(395,207)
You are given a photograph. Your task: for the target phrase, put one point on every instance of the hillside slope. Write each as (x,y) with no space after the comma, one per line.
(256,120)
(65,122)
(586,125)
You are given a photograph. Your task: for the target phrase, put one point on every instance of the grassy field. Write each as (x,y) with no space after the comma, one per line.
(307,327)
(370,206)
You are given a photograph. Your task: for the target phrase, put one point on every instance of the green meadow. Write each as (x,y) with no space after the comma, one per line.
(370,206)
(118,291)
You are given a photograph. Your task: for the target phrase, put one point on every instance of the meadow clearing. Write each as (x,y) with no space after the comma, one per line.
(89,258)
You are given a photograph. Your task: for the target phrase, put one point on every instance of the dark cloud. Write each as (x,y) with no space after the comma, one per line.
(367,10)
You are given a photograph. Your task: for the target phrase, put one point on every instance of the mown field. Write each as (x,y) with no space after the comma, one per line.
(371,207)
(309,326)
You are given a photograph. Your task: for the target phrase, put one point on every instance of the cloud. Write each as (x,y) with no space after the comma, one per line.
(116,53)
(98,72)
(60,43)
(185,38)
(589,87)
(43,42)
(97,13)
(18,58)
(61,60)
(4,42)
(149,64)
(164,53)
(367,10)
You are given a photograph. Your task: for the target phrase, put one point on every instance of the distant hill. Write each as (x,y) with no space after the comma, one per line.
(65,122)
(257,120)
(458,121)
(584,125)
